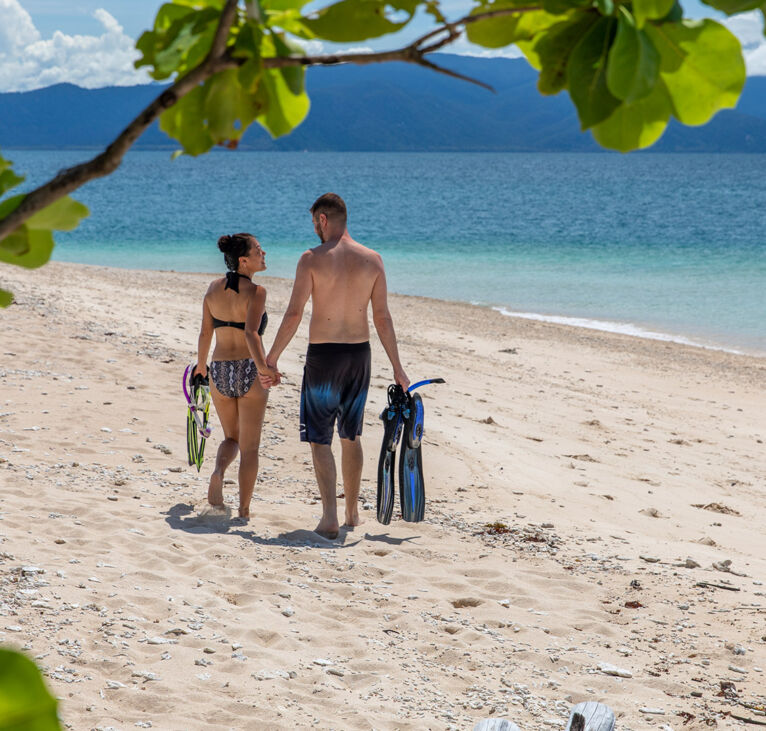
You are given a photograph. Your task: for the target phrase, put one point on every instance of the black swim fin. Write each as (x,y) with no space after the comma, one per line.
(412,492)
(392,417)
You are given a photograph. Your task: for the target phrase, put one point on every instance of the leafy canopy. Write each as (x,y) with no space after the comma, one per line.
(628,66)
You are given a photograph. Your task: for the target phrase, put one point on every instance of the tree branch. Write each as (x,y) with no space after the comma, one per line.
(109,160)
(218,59)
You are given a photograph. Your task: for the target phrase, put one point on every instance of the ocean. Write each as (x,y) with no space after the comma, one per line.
(659,245)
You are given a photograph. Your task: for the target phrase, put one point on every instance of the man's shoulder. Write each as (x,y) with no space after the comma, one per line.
(365,251)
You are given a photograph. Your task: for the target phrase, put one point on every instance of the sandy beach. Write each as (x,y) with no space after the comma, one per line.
(594,527)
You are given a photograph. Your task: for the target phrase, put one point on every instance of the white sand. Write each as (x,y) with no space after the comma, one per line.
(598,449)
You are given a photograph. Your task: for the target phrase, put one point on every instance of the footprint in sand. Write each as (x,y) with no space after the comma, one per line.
(214,514)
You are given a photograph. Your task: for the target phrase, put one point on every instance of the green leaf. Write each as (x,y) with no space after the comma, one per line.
(283,4)
(201,4)
(651,9)
(64,214)
(185,122)
(284,111)
(25,703)
(181,39)
(586,74)
(249,75)
(561,7)
(8,179)
(433,9)
(291,21)
(675,15)
(248,43)
(9,205)
(634,64)
(293,75)
(26,247)
(637,124)
(554,47)
(507,29)
(228,108)
(702,66)
(6,298)
(356,20)
(605,7)
(733,7)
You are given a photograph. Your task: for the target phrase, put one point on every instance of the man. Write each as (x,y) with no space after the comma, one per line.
(342,277)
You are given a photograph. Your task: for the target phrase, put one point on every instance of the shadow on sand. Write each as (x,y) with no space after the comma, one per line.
(385,538)
(183,517)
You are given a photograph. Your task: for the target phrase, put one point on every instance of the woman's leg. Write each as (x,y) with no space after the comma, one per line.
(228,415)
(252,409)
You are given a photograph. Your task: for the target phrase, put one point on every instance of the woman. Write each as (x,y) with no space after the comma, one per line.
(235,310)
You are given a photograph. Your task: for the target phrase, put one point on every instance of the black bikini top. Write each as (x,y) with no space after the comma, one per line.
(232,282)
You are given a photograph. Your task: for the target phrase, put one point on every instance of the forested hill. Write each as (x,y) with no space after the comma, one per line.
(385,107)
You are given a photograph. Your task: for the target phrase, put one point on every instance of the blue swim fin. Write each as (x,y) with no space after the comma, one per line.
(412,491)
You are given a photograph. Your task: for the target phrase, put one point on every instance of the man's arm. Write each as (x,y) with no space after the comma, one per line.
(294,312)
(384,325)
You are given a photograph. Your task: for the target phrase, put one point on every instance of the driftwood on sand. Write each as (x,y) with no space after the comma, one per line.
(591,716)
(588,716)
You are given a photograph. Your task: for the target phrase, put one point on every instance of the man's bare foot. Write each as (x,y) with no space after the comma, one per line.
(352,520)
(244,513)
(327,531)
(215,490)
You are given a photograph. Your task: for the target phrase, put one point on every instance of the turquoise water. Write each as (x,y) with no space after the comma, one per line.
(672,244)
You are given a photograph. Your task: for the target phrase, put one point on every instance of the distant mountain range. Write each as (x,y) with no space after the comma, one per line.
(384,107)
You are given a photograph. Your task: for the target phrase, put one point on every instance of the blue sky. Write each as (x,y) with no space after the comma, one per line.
(91,42)
(136,15)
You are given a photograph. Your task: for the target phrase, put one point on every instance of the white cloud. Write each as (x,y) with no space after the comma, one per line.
(27,61)
(748,27)
(463,48)
(317,48)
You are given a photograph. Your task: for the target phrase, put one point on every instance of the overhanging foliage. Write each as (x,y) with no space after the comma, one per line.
(628,67)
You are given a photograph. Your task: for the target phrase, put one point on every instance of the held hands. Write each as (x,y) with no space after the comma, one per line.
(269,376)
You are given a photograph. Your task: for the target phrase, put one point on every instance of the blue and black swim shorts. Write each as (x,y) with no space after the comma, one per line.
(336,379)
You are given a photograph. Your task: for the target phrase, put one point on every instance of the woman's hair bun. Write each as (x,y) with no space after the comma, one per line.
(233,246)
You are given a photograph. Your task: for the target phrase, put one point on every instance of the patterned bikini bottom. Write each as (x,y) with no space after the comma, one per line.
(233,378)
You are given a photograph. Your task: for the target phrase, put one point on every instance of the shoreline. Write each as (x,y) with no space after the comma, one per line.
(626,328)
(594,501)
(616,327)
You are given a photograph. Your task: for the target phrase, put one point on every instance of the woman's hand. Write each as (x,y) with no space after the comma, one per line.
(269,376)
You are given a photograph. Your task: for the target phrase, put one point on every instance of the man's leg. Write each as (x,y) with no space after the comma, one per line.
(352,461)
(324,467)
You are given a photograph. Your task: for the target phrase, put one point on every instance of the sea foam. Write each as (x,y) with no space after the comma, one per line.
(623,328)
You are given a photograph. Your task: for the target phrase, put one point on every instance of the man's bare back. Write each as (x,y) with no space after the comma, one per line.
(344,275)
(343,278)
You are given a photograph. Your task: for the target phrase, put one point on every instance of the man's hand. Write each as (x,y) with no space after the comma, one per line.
(270,375)
(400,377)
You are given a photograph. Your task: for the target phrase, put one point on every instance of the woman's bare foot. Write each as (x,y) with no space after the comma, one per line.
(244,513)
(215,489)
